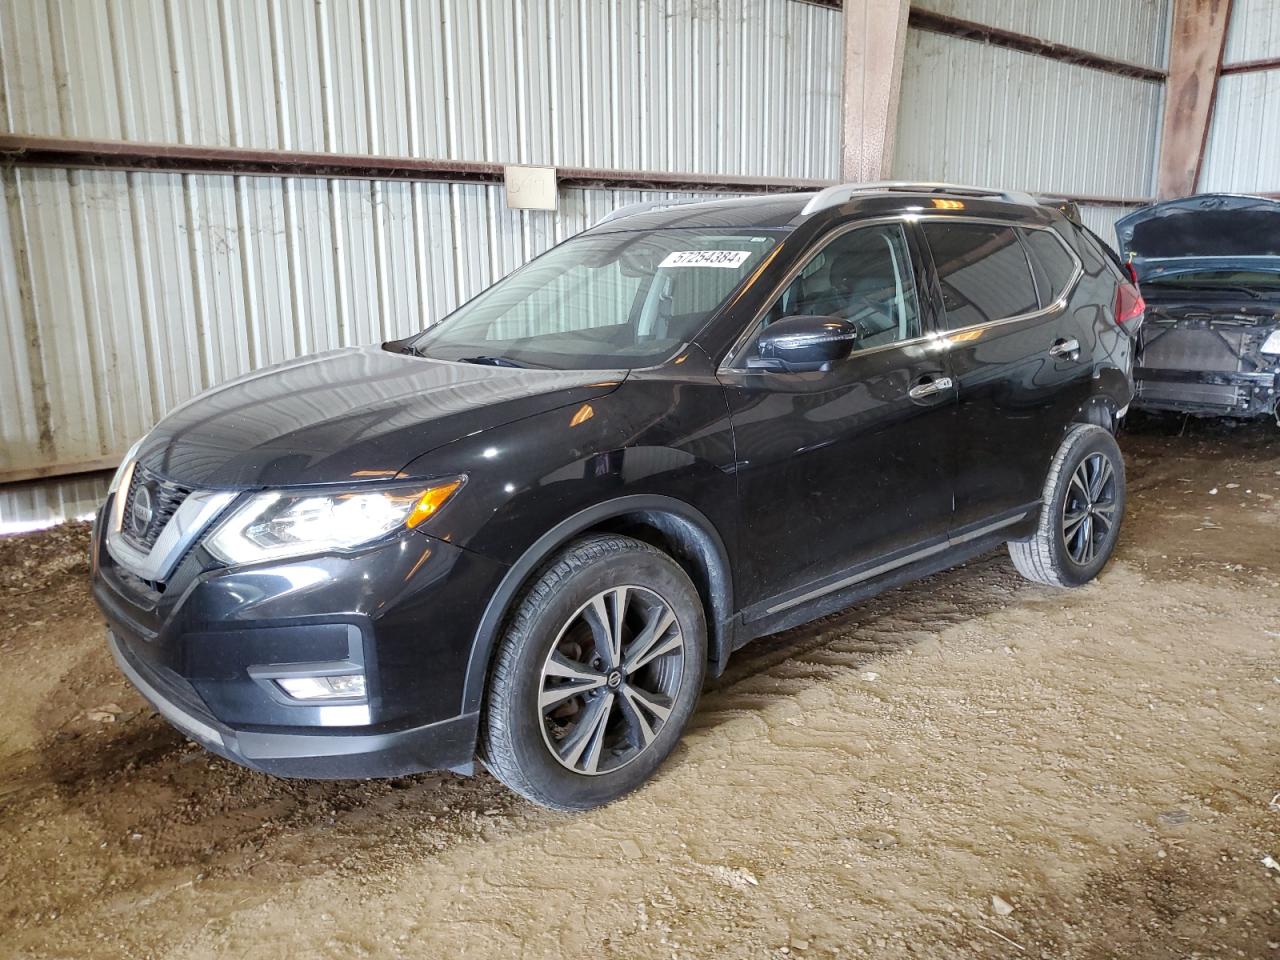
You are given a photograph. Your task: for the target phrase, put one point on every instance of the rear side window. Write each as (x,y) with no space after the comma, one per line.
(983,271)
(1051,262)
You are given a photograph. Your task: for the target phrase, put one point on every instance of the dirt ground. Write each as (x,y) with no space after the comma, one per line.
(1105,761)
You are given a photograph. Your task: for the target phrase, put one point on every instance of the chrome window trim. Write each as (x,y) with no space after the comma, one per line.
(731,362)
(1044,311)
(187,523)
(732,359)
(1077,275)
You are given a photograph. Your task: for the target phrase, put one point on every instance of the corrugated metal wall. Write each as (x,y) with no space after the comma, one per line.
(1132,30)
(1242,154)
(977,113)
(124,294)
(972,112)
(140,290)
(1254,31)
(679,85)
(1102,220)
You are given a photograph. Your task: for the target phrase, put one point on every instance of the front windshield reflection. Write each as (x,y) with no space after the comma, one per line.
(601,301)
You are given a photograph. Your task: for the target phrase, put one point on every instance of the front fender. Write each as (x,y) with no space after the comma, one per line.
(694,525)
(534,485)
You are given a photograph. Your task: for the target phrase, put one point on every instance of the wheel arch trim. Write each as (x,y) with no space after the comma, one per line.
(693,522)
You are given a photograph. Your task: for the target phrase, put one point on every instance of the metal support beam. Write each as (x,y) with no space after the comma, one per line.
(1195,61)
(32,151)
(1250,66)
(998,37)
(875,36)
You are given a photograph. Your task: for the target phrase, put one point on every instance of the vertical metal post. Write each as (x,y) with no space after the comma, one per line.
(1195,60)
(875,35)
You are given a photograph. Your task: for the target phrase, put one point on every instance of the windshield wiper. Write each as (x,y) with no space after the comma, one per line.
(491,361)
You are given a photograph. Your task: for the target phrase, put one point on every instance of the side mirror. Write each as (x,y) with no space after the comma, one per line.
(798,344)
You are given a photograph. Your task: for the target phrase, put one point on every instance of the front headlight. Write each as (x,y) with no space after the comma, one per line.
(1272,344)
(276,524)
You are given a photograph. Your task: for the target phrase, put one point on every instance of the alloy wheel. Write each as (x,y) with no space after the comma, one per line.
(611,679)
(1089,510)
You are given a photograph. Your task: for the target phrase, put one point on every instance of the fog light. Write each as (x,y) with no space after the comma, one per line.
(347,686)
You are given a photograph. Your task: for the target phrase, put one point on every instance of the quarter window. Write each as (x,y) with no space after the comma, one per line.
(983,271)
(1052,265)
(863,276)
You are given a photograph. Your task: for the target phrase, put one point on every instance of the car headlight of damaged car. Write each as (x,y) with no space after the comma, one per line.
(1272,344)
(276,524)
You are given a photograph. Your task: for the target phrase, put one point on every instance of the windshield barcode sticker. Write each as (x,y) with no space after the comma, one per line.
(706,258)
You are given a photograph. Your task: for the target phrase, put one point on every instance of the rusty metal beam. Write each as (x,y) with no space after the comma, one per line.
(170,158)
(1250,66)
(999,37)
(1195,62)
(875,37)
(29,151)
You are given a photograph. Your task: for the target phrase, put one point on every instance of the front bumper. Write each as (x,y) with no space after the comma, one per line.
(204,648)
(446,744)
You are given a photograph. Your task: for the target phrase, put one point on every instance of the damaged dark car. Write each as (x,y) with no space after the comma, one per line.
(1209,269)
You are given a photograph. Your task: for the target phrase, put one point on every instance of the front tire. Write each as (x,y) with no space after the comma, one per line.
(596,676)
(1083,506)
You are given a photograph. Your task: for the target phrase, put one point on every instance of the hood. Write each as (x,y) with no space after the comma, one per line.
(359,414)
(1207,232)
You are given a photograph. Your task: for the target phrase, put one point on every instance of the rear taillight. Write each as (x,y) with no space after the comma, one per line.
(1129,306)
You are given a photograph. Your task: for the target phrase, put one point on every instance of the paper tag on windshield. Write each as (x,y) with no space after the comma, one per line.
(706,258)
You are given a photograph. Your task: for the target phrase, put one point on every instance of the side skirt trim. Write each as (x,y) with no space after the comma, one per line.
(901,561)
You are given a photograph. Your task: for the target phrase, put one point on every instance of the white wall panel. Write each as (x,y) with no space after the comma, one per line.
(1132,30)
(977,113)
(126,293)
(681,85)
(1102,220)
(1242,154)
(29,506)
(1254,31)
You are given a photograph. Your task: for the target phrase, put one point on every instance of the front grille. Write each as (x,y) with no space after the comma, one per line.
(149,506)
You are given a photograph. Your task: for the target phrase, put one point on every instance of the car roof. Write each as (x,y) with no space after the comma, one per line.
(765,211)
(784,211)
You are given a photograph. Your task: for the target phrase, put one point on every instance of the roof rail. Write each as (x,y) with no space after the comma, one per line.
(844,192)
(643,206)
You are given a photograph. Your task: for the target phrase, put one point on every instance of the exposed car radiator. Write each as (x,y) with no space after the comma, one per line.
(1205,349)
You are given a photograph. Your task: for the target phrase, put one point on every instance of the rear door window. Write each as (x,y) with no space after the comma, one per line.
(983,271)
(1053,265)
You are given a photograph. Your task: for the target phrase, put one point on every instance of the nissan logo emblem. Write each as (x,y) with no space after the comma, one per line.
(141,511)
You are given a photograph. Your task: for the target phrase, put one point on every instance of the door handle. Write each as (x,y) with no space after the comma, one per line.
(929,387)
(1069,348)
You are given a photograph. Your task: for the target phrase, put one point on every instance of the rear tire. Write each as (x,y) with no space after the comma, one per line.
(596,676)
(1083,506)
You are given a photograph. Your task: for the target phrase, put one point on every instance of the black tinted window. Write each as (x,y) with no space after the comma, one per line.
(1053,264)
(863,276)
(983,271)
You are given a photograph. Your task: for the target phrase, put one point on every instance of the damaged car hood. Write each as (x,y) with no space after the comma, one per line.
(1211,232)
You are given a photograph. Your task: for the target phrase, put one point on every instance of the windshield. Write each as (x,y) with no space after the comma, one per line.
(604,301)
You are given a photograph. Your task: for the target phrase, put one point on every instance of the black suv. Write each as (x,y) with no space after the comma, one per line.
(526,535)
